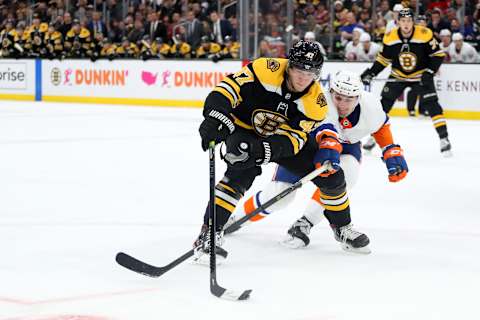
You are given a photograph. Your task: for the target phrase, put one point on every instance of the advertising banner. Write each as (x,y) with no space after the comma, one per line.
(17,79)
(160,82)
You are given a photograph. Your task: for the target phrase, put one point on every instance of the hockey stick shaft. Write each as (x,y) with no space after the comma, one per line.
(394,80)
(236,225)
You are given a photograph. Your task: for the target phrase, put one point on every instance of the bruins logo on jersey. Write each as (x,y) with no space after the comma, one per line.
(321,100)
(408,61)
(265,123)
(273,65)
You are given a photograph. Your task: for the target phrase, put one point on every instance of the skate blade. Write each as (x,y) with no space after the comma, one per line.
(363,250)
(447,154)
(292,243)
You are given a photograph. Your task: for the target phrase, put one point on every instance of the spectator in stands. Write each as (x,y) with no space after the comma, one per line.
(136,35)
(367,51)
(346,31)
(265,50)
(455,26)
(437,23)
(385,11)
(445,39)
(322,15)
(155,28)
(81,12)
(461,51)
(310,36)
(352,47)
(194,30)
(66,24)
(220,27)
(379,30)
(97,25)
(394,22)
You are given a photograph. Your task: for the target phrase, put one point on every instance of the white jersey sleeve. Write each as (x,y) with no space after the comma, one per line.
(371,119)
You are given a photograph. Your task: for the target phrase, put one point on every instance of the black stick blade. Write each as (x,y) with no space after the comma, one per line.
(138,266)
(223,293)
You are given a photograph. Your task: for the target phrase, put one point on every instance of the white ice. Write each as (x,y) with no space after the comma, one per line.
(78,183)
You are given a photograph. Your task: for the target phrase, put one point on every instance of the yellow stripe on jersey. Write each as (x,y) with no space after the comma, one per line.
(240,123)
(438,54)
(270,72)
(227,187)
(399,74)
(382,60)
(295,143)
(314,104)
(227,206)
(225,93)
(234,86)
(325,197)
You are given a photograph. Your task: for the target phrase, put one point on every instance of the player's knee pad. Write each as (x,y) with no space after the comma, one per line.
(351,169)
(260,198)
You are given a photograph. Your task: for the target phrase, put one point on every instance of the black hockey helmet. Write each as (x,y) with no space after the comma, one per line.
(406,13)
(306,55)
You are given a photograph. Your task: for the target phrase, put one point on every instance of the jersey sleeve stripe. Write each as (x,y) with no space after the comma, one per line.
(233,84)
(225,93)
(230,90)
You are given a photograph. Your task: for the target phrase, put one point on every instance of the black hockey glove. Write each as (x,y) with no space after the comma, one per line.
(246,151)
(427,77)
(215,127)
(367,77)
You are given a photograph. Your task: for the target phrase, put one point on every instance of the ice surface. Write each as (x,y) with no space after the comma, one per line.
(78,183)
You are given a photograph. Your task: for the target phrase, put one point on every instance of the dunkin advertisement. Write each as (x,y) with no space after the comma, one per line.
(173,82)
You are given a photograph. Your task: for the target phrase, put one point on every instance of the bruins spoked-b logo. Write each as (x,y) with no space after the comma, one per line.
(408,61)
(56,76)
(266,123)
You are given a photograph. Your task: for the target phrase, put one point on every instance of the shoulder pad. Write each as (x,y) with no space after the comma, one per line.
(314,104)
(84,33)
(391,38)
(270,71)
(215,48)
(422,34)
(70,33)
(43,27)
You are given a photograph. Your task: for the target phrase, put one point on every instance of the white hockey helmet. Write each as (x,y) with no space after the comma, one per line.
(346,83)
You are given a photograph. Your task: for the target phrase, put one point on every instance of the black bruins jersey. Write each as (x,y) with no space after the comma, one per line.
(258,100)
(409,57)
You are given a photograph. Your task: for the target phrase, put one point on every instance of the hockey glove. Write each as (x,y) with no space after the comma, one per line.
(427,77)
(245,151)
(329,151)
(395,162)
(215,127)
(367,77)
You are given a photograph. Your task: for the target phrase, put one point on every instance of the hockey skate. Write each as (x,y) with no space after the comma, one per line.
(412,113)
(370,144)
(297,235)
(351,240)
(202,247)
(445,148)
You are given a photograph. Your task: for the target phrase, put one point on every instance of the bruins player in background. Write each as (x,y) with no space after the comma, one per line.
(415,56)
(264,113)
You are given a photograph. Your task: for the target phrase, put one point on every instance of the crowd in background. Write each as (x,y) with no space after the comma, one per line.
(156,29)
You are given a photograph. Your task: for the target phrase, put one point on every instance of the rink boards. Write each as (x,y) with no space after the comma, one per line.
(186,83)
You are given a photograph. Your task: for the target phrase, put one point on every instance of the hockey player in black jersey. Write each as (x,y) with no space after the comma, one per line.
(415,56)
(264,113)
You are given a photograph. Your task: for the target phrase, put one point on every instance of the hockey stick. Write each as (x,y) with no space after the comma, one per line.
(236,225)
(394,80)
(215,288)
(133,264)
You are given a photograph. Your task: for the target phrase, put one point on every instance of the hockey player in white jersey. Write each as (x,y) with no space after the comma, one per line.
(461,51)
(355,115)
